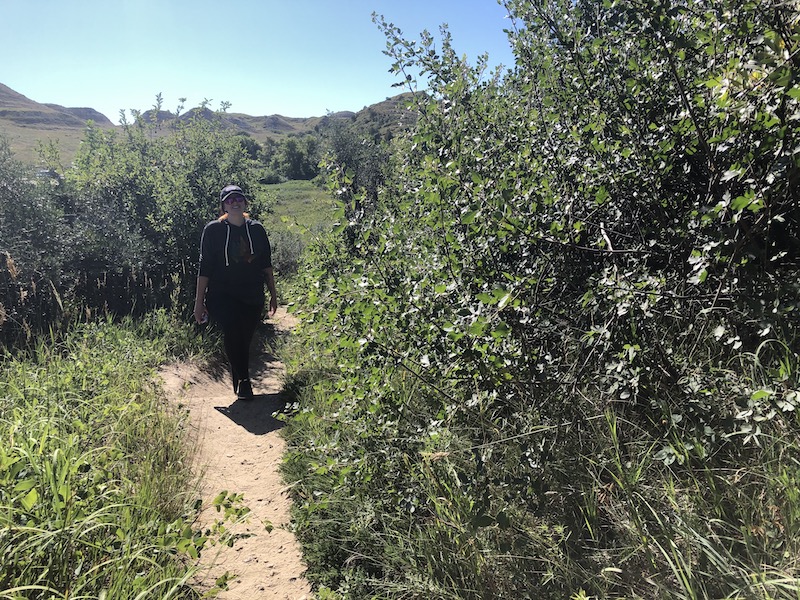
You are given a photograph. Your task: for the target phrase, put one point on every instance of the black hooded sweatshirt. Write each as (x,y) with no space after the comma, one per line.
(234,258)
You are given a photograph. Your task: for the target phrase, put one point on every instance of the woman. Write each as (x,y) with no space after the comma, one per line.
(235,262)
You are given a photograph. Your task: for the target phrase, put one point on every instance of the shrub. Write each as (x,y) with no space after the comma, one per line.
(565,338)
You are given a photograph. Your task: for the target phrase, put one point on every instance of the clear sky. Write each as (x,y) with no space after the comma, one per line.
(296,58)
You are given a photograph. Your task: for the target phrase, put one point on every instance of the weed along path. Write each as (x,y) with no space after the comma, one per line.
(239,449)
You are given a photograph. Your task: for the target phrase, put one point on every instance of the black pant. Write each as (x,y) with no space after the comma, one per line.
(238,321)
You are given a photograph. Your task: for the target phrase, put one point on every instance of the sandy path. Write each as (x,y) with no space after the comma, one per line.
(239,450)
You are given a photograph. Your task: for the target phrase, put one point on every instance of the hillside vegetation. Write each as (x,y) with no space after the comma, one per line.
(28,124)
(118,229)
(555,355)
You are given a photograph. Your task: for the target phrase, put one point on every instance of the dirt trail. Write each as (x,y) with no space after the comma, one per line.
(239,450)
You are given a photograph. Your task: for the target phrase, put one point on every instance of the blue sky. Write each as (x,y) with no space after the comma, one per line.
(297,58)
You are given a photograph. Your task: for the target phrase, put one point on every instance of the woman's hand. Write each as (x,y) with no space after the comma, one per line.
(200,313)
(273,305)
(273,293)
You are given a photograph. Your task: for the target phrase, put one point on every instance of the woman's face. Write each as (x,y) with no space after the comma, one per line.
(235,204)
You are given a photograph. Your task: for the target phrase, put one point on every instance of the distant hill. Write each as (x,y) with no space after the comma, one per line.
(260,128)
(20,110)
(26,123)
(83,114)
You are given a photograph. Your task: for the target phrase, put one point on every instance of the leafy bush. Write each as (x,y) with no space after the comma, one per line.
(564,336)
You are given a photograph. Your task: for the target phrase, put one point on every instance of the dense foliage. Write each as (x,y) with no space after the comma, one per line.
(558,355)
(294,158)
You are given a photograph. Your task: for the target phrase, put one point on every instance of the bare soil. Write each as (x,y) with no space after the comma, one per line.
(239,449)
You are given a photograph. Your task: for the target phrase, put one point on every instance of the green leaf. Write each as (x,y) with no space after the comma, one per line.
(29,500)
(731,174)
(503,520)
(504,299)
(477,328)
(221,497)
(24,485)
(781,77)
(501,330)
(469,217)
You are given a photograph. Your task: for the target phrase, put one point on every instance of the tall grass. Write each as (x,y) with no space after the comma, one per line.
(300,206)
(97,499)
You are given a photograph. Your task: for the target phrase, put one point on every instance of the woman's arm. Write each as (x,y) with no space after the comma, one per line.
(273,294)
(200,311)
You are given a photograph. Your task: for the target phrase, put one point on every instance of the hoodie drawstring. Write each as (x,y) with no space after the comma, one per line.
(227,239)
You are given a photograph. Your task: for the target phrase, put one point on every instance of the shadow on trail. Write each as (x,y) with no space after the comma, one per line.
(255,415)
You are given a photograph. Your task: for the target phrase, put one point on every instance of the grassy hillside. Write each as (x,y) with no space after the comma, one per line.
(24,141)
(27,123)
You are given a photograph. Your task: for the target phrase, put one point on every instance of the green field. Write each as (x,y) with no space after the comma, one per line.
(299,206)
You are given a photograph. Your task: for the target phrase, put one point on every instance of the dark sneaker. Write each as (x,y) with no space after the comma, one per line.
(245,391)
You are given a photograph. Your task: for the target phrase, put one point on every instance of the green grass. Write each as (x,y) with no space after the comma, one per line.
(25,141)
(97,498)
(300,206)
(300,212)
